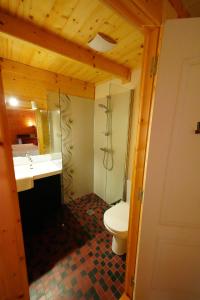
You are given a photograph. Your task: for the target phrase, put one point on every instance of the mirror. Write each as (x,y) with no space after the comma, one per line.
(28,127)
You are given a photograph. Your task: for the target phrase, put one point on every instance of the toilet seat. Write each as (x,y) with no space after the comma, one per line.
(116,218)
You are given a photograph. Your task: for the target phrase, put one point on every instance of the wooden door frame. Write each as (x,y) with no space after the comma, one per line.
(150,26)
(148,78)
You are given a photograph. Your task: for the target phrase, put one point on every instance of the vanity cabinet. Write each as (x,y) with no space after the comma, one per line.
(38,203)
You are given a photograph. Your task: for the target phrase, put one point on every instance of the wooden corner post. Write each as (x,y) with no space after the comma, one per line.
(13,275)
(146,96)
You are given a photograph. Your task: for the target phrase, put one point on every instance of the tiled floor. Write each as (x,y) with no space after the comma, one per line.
(71,258)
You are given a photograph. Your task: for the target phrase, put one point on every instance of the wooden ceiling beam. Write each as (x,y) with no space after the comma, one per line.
(139,13)
(31,33)
(30,83)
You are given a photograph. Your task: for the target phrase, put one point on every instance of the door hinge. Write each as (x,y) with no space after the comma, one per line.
(132,281)
(140,194)
(154,64)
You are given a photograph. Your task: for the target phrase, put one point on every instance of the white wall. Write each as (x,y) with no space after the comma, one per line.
(109,184)
(83,152)
(120,97)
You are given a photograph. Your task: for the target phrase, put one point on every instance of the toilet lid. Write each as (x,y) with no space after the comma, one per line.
(117,217)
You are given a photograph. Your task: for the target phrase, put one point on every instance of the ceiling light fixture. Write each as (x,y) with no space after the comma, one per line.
(13,101)
(30,123)
(102,42)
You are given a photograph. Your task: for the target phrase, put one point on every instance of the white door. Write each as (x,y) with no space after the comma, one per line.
(169,248)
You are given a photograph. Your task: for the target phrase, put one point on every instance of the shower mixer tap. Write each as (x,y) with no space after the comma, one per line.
(104,149)
(107,110)
(107,133)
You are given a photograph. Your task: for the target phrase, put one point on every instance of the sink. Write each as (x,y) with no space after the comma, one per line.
(25,175)
(45,169)
(24,178)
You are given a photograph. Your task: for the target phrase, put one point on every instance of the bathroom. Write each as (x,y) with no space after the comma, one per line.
(66,181)
(73,132)
(96,147)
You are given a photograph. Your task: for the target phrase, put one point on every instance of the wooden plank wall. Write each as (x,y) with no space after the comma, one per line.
(30,83)
(13,275)
(18,122)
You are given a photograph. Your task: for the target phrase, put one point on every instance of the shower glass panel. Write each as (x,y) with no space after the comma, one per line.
(92,139)
(71,130)
(111,130)
(53,107)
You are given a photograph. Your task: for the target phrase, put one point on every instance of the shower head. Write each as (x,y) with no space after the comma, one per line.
(103,106)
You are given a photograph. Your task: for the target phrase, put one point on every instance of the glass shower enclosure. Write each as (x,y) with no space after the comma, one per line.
(92,137)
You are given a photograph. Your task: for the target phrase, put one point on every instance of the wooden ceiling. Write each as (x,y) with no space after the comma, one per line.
(78,21)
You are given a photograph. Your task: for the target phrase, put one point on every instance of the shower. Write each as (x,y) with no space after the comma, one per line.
(103,106)
(108,150)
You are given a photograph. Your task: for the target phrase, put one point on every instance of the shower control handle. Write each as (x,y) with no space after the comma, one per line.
(104,149)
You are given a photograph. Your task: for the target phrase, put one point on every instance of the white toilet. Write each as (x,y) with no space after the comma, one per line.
(116,222)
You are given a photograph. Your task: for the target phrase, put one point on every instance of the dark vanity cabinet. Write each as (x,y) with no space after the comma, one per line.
(39,203)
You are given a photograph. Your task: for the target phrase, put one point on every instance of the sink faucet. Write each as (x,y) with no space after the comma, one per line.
(30,160)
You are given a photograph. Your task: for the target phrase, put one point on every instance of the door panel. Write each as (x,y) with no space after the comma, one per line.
(182,163)
(169,260)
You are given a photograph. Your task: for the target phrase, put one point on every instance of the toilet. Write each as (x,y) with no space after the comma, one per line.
(116,222)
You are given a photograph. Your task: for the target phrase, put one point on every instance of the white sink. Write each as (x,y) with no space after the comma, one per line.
(24,178)
(25,175)
(45,169)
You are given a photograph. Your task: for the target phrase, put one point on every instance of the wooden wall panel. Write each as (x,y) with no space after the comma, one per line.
(32,84)
(13,275)
(19,123)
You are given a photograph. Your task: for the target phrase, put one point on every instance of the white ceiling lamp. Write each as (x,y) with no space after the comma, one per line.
(13,101)
(102,42)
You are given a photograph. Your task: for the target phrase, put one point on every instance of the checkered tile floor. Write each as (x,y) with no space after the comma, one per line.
(71,257)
